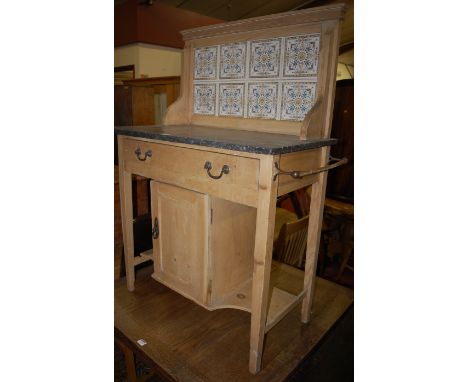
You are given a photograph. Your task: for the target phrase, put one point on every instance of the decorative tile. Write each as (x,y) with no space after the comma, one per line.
(231,100)
(232,60)
(204,99)
(301,57)
(298,98)
(264,58)
(205,63)
(262,100)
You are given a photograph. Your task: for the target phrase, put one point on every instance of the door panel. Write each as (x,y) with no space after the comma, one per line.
(180,251)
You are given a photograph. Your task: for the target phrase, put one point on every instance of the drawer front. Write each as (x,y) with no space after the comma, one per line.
(142,163)
(185,167)
(300,161)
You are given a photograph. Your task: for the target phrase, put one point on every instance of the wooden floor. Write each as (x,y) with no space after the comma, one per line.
(189,343)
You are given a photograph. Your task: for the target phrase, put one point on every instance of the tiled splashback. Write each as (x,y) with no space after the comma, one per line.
(270,79)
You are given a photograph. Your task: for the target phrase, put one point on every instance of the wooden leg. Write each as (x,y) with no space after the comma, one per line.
(262,260)
(129,361)
(317,197)
(126,206)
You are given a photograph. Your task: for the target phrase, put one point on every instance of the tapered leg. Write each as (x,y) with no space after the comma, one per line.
(262,260)
(126,208)
(313,241)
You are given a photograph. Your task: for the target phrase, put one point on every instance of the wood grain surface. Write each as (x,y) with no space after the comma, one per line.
(188,343)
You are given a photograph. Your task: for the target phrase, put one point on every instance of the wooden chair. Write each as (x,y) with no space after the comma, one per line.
(337,238)
(282,216)
(292,241)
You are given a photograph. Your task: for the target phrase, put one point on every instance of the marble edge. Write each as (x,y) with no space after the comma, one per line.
(288,148)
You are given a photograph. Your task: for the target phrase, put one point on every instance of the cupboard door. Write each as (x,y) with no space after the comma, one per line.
(180,249)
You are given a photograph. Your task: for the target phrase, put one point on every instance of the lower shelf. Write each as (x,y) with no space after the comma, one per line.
(286,286)
(285,292)
(144,257)
(281,303)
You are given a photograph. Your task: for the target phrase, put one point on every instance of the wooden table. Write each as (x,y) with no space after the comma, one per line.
(185,342)
(219,163)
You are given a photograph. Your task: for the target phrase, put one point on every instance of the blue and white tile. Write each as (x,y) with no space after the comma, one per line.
(262,100)
(204,99)
(265,58)
(231,100)
(301,55)
(297,99)
(232,60)
(205,63)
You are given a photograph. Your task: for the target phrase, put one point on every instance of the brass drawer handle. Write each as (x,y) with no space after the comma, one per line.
(155,230)
(208,167)
(299,175)
(148,153)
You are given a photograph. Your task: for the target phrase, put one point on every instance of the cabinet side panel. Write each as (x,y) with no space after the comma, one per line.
(232,247)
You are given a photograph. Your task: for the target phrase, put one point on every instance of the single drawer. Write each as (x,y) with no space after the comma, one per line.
(138,156)
(299,161)
(186,167)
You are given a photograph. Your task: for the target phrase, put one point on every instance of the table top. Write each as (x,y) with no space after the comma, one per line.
(188,342)
(238,140)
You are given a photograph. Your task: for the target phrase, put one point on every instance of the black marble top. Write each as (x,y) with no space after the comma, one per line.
(238,140)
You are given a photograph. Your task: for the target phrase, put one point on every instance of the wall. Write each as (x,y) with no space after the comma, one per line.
(149,38)
(158,24)
(159,61)
(149,60)
(126,55)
